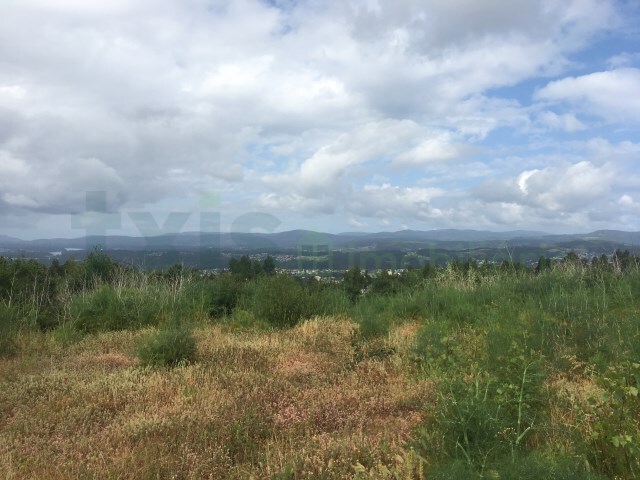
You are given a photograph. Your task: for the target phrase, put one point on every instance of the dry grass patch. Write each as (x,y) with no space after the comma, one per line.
(572,406)
(255,404)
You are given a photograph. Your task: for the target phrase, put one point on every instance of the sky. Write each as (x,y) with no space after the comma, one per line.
(364,115)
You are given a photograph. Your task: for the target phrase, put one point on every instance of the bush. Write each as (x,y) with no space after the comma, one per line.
(98,266)
(106,309)
(167,347)
(279,300)
(66,334)
(327,299)
(354,282)
(221,294)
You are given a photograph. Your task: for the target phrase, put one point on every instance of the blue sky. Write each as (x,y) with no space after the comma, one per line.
(362,115)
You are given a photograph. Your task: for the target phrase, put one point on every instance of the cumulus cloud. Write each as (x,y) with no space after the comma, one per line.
(322,172)
(296,106)
(565,194)
(439,147)
(567,122)
(387,201)
(566,188)
(572,187)
(624,59)
(613,95)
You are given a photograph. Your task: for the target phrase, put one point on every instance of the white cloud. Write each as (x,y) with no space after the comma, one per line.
(624,59)
(297,106)
(323,182)
(11,167)
(391,201)
(622,151)
(563,189)
(614,94)
(11,93)
(357,224)
(437,148)
(626,201)
(322,172)
(567,122)
(19,200)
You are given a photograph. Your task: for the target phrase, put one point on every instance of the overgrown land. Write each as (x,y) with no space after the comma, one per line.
(469,371)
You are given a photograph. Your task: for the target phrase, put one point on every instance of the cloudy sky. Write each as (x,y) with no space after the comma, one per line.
(362,115)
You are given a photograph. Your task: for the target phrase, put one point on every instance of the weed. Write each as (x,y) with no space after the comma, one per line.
(167,347)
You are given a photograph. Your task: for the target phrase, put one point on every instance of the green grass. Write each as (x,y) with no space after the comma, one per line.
(9,328)
(484,373)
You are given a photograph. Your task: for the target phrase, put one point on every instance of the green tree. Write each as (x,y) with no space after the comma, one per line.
(55,269)
(221,294)
(234,266)
(256,268)
(428,270)
(354,281)
(269,265)
(544,263)
(98,266)
(385,283)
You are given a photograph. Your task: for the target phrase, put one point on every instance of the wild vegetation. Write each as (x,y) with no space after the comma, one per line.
(467,371)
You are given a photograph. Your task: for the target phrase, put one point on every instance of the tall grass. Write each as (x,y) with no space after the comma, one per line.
(9,329)
(467,372)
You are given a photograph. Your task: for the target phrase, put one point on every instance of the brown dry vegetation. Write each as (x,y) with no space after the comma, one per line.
(255,404)
(502,374)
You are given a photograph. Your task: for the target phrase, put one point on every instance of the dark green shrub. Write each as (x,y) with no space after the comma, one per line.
(538,467)
(98,267)
(47,319)
(408,309)
(354,282)
(106,309)
(66,334)
(385,284)
(279,300)
(167,347)
(20,278)
(327,299)
(221,294)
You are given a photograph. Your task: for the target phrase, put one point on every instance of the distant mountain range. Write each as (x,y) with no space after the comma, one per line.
(296,239)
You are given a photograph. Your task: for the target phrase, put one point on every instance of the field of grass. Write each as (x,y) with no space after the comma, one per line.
(461,373)
(288,403)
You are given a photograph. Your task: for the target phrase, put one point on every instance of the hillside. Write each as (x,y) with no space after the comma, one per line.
(464,371)
(212,250)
